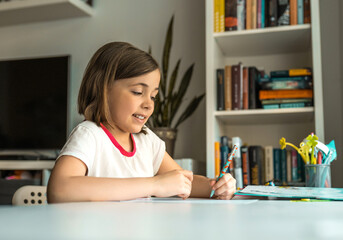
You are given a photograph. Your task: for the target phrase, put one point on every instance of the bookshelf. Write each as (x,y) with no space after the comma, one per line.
(17,12)
(273,48)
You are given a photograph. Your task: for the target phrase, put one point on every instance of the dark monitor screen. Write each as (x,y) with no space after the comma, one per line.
(33,103)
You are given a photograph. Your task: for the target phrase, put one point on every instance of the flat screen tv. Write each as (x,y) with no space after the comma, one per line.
(33,103)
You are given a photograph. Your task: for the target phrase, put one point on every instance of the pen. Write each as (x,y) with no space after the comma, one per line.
(234,149)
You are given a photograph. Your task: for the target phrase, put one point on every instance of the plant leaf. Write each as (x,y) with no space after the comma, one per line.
(182,90)
(189,110)
(173,80)
(166,54)
(149,51)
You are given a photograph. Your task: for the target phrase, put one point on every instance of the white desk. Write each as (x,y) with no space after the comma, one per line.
(167,220)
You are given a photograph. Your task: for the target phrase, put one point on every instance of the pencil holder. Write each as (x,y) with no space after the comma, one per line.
(318,175)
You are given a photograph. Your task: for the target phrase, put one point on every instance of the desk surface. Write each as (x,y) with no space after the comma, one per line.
(236,219)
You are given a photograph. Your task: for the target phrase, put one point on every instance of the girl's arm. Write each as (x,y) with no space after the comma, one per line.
(68,183)
(201,185)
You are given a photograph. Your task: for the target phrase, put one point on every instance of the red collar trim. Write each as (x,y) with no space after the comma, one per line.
(117,145)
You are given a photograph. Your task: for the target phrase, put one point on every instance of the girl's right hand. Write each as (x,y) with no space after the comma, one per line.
(176,182)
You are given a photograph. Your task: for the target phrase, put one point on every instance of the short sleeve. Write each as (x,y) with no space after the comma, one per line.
(158,149)
(82,145)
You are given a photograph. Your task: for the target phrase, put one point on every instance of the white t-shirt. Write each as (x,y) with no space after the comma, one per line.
(104,157)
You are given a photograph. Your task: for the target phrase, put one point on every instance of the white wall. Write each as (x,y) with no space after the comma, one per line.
(332,49)
(140,22)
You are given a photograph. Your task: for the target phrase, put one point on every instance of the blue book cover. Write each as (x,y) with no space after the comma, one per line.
(300,11)
(263,13)
(283,154)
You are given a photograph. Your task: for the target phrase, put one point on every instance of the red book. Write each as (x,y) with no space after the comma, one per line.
(237,87)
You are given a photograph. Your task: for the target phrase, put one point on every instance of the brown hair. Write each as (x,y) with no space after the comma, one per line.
(113,61)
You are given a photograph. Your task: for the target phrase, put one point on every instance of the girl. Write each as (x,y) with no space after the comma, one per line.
(112,155)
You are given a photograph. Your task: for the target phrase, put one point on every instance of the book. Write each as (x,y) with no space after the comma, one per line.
(278,85)
(283,155)
(294,156)
(216,15)
(257,166)
(221,15)
(231,21)
(300,11)
(228,86)
(263,13)
(240,14)
(287,105)
(245,88)
(217,158)
(220,90)
(269,164)
(286,100)
(293,12)
(272,13)
(283,12)
(295,78)
(237,89)
(245,166)
(224,150)
(248,22)
(288,93)
(277,165)
(254,88)
(237,159)
(254,14)
(307,11)
(259,13)
(291,72)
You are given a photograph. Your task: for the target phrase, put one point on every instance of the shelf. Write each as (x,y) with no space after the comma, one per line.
(266,116)
(26,165)
(265,41)
(16,12)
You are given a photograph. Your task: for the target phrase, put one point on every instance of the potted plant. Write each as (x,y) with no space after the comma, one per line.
(169,99)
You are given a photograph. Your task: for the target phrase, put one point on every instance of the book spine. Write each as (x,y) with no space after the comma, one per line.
(220,90)
(254,14)
(291,73)
(224,152)
(269,164)
(230,15)
(221,15)
(263,13)
(236,87)
(245,88)
(246,166)
(228,86)
(240,14)
(272,13)
(278,101)
(217,158)
(277,165)
(301,168)
(307,11)
(238,162)
(259,13)
(261,164)
(292,93)
(295,177)
(293,6)
(283,12)
(300,11)
(248,22)
(289,166)
(295,78)
(253,88)
(216,16)
(279,85)
(284,167)
(253,165)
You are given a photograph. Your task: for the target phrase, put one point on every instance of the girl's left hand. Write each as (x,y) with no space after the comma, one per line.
(225,187)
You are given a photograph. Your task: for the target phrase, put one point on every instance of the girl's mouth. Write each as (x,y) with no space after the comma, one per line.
(141,117)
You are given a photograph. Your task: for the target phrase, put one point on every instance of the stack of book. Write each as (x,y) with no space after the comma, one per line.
(287,89)
(263,164)
(230,15)
(238,87)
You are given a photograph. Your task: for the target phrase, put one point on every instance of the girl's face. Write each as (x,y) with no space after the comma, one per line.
(131,101)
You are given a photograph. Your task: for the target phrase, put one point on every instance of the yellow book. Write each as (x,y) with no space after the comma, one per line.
(217,158)
(216,15)
(221,16)
(299,72)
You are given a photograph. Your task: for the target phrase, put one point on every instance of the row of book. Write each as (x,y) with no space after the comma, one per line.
(240,87)
(291,88)
(231,15)
(257,165)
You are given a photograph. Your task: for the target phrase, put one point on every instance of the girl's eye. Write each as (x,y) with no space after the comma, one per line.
(153,98)
(136,93)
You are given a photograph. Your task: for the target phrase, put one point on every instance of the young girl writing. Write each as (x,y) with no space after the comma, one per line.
(112,155)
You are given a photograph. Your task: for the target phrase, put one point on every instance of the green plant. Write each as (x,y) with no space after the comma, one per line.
(169,99)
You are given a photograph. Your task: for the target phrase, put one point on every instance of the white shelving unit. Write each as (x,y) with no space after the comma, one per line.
(274,48)
(26,11)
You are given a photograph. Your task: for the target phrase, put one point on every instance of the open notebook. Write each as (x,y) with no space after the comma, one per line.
(292,192)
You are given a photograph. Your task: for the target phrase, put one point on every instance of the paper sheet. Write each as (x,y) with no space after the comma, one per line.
(191,200)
